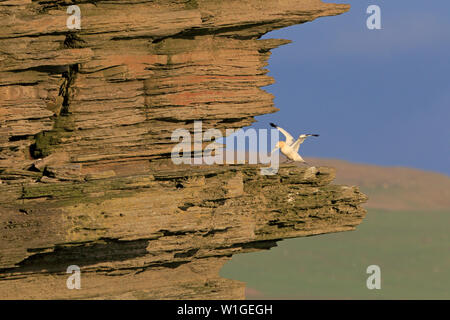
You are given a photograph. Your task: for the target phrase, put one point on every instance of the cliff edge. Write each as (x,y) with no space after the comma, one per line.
(86,119)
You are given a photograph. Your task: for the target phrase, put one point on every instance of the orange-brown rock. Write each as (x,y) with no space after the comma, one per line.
(86,119)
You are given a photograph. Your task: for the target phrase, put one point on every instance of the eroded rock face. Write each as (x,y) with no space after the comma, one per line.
(116,89)
(165,233)
(86,119)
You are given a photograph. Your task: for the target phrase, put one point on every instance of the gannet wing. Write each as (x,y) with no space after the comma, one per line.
(289,138)
(297,144)
(299,141)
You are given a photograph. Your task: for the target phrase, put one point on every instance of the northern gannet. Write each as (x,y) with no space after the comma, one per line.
(290,147)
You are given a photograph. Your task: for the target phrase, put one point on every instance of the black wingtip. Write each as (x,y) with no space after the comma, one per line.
(273,125)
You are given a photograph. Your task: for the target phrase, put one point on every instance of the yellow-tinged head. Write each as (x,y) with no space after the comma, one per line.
(280,144)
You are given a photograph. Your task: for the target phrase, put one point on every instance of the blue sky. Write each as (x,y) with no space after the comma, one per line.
(374,96)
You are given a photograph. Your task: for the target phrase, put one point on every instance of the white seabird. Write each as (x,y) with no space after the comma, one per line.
(290,147)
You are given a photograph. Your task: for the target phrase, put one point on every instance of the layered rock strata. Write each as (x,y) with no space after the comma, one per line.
(86,118)
(164,233)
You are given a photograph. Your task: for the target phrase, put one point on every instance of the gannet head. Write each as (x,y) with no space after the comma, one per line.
(280,144)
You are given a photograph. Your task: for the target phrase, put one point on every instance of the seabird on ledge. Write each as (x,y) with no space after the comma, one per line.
(290,147)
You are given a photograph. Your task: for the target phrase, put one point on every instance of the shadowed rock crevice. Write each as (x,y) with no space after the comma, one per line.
(62,256)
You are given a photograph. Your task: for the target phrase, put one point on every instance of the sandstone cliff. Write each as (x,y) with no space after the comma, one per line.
(85,124)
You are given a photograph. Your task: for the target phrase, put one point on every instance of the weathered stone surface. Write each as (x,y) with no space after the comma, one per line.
(86,120)
(134,72)
(163,219)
